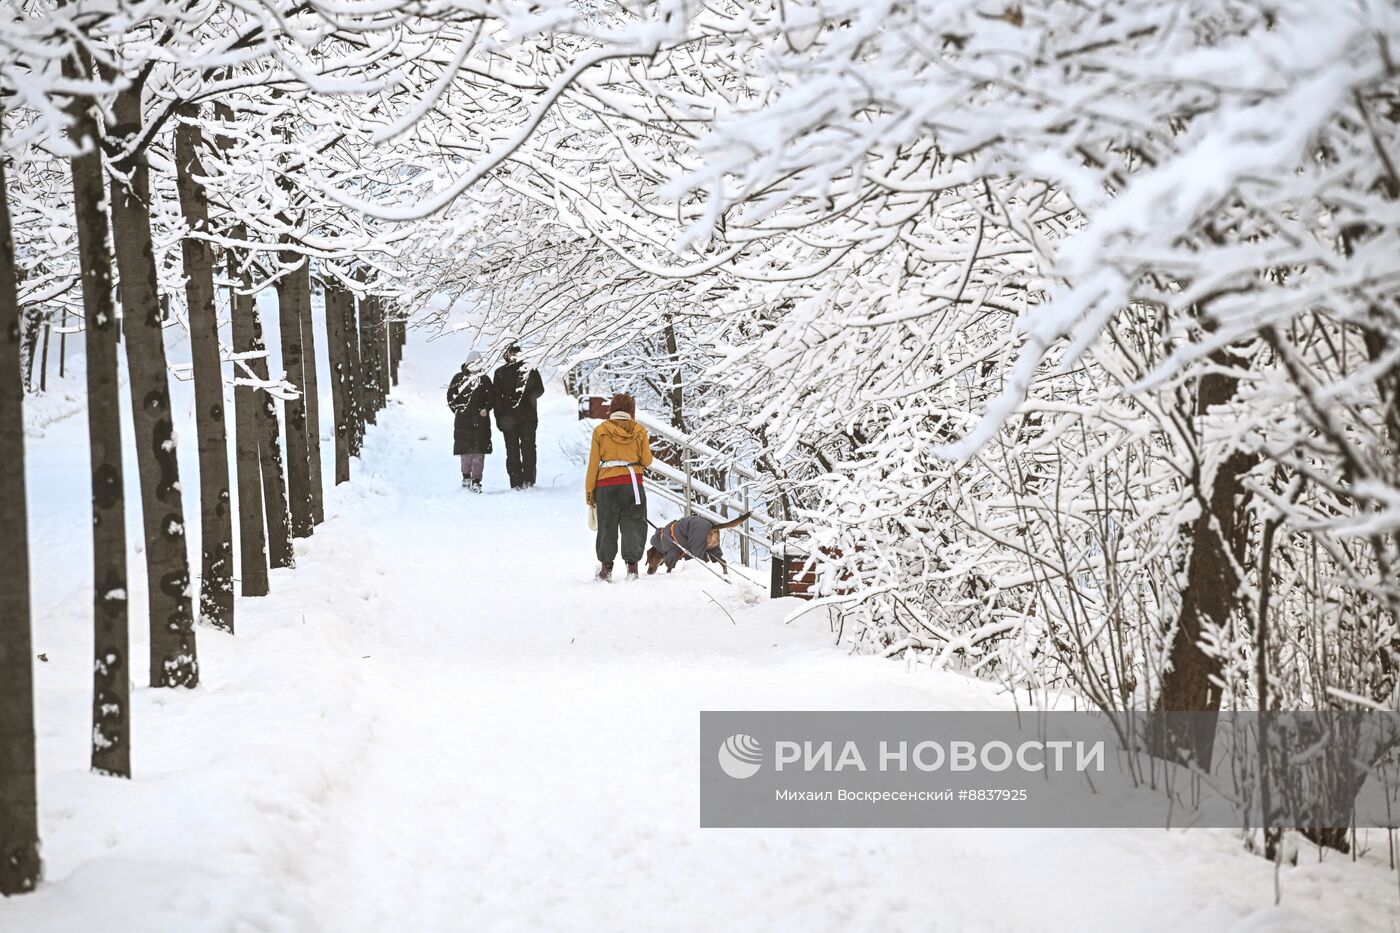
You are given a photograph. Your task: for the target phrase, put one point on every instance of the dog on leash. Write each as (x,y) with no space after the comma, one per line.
(692,536)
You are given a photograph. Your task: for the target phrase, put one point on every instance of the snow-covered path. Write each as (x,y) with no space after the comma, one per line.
(439,722)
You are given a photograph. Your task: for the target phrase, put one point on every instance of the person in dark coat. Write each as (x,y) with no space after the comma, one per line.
(517,388)
(692,536)
(470,397)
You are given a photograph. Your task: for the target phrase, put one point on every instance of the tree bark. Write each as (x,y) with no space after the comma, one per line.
(677,387)
(355,375)
(111,670)
(395,350)
(1209,598)
(265,534)
(20,866)
(31,328)
(289,317)
(369,382)
(313,396)
(174,660)
(247,435)
(381,351)
(216,524)
(336,301)
(279,523)
(44,358)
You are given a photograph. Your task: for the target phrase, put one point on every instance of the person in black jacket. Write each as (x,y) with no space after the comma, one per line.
(470,397)
(517,388)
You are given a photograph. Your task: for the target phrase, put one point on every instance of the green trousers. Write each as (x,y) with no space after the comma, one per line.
(618,515)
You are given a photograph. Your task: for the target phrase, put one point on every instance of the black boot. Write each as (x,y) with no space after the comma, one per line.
(632,570)
(605,572)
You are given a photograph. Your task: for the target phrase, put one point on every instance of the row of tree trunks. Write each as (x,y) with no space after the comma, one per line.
(264,527)
(364,351)
(20,867)
(173,660)
(111,669)
(216,524)
(359,347)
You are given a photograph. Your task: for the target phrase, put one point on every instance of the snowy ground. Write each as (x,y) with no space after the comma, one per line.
(439,722)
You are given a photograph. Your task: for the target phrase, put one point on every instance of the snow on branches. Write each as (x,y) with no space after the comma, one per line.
(1071,327)
(1064,334)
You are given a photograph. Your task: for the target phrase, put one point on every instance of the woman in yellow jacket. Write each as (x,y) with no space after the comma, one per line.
(613,486)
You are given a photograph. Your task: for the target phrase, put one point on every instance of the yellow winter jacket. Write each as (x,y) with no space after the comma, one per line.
(617,439)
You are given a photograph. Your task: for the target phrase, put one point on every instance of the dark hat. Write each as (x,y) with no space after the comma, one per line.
(513,347)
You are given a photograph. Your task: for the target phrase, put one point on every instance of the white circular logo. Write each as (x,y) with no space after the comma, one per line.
(741,756)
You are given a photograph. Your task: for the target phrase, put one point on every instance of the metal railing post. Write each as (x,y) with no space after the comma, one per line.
(689,490)
(744,538)
(778,569)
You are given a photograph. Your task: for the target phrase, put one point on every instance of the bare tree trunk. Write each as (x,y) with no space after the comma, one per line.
(111,670)
(174,660)
(677,388)
(279,523)
(265,533)
(1209,597)
(395,350)
(381,352)
(381,362)
(313,396)
(369,382)
(44,358)
(20,867)
(216,524)
(355,375)
(290,316)
(247,435)
(30,327)
(336,301)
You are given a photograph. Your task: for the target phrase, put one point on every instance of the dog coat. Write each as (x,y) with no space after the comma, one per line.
(684,535)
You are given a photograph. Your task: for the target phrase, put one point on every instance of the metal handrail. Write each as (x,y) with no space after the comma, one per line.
(660,428)
(745,533)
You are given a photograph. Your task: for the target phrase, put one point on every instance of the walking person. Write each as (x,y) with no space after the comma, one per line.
(613,485)
(517,388)
(469,396)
